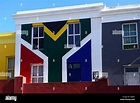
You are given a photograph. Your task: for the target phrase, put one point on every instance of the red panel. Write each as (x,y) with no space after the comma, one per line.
(7,86)
(28,58)
(99,87)
(18,84)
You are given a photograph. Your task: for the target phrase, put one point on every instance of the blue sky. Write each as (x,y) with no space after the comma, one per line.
(9,7)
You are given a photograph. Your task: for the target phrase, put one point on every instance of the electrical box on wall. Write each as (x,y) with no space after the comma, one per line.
(95,75)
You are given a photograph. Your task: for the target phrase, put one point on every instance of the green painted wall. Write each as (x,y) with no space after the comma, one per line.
(26,28)
(55,51)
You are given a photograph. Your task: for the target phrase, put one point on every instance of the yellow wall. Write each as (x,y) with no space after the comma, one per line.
(7,49)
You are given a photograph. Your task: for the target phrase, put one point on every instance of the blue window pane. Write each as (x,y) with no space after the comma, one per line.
(70,40)
(126,27)
(127,40)
(132,27)
(77,29)
(126,33)
(35,32)
(40,71)
(131,69)
(133,40)
(41,43)
(41,31)
(35,43)
(70,28)
(77,40)
(34,70)
(133,33)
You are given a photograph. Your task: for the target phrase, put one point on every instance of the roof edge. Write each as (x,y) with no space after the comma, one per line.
(62,8)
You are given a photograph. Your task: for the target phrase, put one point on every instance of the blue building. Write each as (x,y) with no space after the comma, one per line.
(121,39)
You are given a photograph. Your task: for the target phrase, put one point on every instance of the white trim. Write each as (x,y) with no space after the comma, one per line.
(121,9)
(52,18)
(124,77)
(120,13)
(70,53)
(36,37)
(41,55)
(129,73)
(37,72)
(129,36)
(61,10)
(37,52)
(58,14)
(73,35)
(17,50)
(96,48)
(46,70)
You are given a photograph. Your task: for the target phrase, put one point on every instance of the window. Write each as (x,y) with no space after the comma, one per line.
(131,69)
(38,37)
(74,37)
(11,66)
(130,38)
(37,74)
(74,65)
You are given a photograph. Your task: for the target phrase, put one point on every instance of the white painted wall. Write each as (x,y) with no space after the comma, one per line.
(17,50)
(96,41)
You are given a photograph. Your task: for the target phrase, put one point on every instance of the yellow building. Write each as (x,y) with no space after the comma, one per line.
(7,55)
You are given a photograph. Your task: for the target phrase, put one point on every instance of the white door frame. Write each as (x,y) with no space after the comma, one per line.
(133,74)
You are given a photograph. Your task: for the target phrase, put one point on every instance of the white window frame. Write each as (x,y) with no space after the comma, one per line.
(74,34)
(123,44)
(125,73)
(36,37)
(37,72)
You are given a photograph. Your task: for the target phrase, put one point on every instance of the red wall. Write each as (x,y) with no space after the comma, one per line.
(99,87)
(19,86)
(58,88)
(7,86)
(71,87)
(27,58)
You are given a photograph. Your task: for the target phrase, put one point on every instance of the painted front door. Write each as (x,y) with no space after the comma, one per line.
(132,78)
(73,72)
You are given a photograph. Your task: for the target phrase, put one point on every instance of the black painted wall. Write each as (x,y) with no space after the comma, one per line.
(112,51)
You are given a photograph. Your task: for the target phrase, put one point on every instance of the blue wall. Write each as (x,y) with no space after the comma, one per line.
(80,56)
(112,50)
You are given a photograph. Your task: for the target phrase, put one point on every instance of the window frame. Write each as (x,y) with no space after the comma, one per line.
(74,65)
(37,76)
(10,69)
(130,72)
(130,36)
(73,35)
(38,38)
